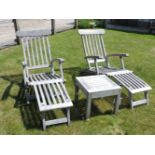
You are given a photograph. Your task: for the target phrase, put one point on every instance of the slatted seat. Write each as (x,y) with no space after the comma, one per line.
(40,78)
(98,62)
(133,84)
(49,87)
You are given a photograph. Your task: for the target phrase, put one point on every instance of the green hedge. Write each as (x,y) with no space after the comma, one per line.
(90,23)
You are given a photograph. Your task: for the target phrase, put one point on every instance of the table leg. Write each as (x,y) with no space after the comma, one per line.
(117,103)
(68,116)
(76,95)
(88,107)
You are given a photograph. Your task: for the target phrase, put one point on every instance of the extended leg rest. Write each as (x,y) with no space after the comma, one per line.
(51,96)
(133,84)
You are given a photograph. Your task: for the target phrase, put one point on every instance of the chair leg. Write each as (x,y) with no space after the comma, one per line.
(43,121)
(131,100)
(68,116)
(146,96)
(27,94)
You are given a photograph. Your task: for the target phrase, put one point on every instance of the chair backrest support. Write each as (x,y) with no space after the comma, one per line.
(93,44)
(36,48)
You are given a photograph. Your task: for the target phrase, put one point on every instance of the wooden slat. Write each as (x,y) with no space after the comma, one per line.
(41,50)
(37,95)
(38,67)
(24,49)
(49,50)
(42,77)
(28,53)
(61,93)
(38,77)
(56,93)
(42,94)
(34,33)
(100,46)
(36,51)
(97,45)
(84,45)
(56,106)
(123,82)
(65,92)
(45,82)
(93,44)
(139,80)
(90,45)
(32,54)
(90,31)
(139,102)
(51,93)
(135,81)
(46,94)
(103,46)
(131,83)
(56,121)
(128,80)
(88,53)
(45,52)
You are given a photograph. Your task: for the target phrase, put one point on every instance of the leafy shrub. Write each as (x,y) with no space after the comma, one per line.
(90,23)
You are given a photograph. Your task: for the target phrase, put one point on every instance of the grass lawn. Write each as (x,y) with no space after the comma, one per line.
(17,118)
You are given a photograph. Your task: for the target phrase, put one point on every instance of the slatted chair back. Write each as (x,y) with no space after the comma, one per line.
(36,48)
(93,44)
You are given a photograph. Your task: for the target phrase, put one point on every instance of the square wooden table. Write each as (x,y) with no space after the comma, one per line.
(97,86)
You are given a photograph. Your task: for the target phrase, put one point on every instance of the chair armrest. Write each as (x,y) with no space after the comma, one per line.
(95,61)
(119,55)
(60,60)
(25,73)
(24,64)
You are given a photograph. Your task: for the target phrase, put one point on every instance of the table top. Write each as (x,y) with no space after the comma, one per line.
(96,83)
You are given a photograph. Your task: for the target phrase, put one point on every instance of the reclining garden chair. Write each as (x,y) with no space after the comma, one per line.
(98,62)
(48,87)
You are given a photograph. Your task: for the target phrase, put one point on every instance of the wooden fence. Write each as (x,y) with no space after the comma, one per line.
(9,27)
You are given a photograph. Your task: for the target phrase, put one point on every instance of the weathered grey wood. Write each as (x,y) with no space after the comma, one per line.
(93,45)
(56,121)
(95,53)
(97,87)
(43,121)
(118,101)
(68,116)
(49,88)
(133,84)
(34,33)
(88,105)
(91,31)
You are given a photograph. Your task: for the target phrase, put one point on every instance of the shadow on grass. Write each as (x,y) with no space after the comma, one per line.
(30,113)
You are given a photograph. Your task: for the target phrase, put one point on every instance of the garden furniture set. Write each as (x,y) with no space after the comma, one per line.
(49,87)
